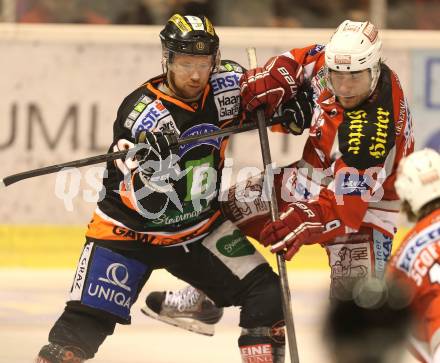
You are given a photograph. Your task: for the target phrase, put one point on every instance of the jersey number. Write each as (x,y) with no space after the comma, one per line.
(201,179)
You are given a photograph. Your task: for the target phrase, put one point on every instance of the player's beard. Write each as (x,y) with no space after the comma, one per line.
(357,101)
(177,93)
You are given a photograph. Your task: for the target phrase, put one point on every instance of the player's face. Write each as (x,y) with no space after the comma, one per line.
(351,88)
(190,74)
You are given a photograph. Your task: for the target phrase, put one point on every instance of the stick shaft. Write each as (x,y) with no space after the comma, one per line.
(11,179)
(281,263)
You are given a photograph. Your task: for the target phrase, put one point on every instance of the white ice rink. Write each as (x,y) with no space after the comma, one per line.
(31,300)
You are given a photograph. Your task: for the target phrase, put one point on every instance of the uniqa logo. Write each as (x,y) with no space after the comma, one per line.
(112,276)
(109,294)
(357,119)
(378,147)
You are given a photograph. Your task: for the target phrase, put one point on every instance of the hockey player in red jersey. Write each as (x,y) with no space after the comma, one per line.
(341,193)
(159,208)
(342,190)
(416,264)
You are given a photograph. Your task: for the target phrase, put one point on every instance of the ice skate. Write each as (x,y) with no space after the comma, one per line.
(188,308)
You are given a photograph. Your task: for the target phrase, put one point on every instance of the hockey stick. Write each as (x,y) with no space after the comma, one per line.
(11,179)
(281,263)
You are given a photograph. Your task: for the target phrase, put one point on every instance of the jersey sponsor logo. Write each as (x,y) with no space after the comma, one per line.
(319,82)
(408,132)
(138,108)
(228,100)
(317,123)
(366,135)
(256,353)
(235,245)
(134,115)
(357,120)
(423,263)
(231,67)
(167,124)
(129,234)
(316,49)
(150,116)
(114,276)
(183,217)
(298,184)
(302,184)
(228,104)
(244,200)
(239,266)
(129,123)
(412,249)
(382,251)
(81,272)
(201,186)
(402,116)
(348,263)
(224,82)
(352,184)
(112,282)
(199,130)
(378,147)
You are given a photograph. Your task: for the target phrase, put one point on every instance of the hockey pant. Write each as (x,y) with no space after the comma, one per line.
(351,256)
(225,265)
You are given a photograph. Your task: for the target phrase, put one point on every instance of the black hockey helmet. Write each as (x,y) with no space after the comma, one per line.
(190,34)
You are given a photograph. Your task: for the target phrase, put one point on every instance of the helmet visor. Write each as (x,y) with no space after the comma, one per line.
(350,84)
(184,64)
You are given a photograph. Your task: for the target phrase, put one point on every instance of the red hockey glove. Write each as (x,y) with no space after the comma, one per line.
(270,85)
(298,224)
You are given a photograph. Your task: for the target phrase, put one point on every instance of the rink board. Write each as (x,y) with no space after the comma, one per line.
(60,246)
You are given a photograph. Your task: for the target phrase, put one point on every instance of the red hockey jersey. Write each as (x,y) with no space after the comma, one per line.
(417,265)
(350,158)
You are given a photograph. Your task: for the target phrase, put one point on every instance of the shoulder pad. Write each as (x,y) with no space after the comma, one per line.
(230,66)
(367,135)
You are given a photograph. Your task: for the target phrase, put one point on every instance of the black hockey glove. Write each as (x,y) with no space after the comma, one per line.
(155,145)
(299,111)
(158,167)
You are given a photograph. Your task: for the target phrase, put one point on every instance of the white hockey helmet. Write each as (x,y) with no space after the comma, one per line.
(355,46)
(418,178)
